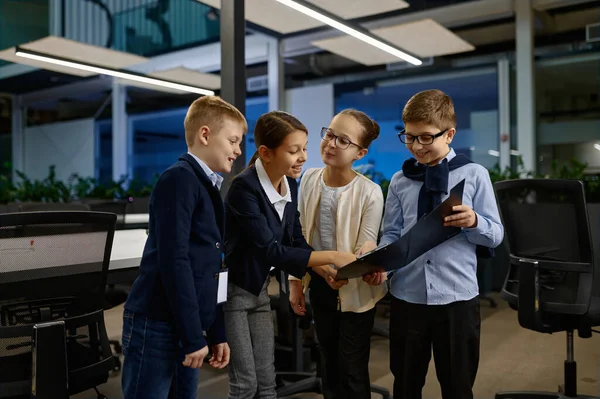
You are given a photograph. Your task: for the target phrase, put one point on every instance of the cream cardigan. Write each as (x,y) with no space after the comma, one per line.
(358,219)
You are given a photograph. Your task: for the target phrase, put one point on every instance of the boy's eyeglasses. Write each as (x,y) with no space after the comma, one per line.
(340,142)
(424,139)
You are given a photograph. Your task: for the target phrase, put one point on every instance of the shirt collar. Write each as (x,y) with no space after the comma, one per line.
(216,179)
(266,184)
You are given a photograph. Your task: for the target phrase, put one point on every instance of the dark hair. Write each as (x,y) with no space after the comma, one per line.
(432,107)
(370,127)
(272,128)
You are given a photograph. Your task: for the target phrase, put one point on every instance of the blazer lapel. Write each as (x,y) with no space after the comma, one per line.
(214,193)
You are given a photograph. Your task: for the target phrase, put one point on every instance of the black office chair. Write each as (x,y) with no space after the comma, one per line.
(554,278)
(291,354)
(52,206)
(54,267)
(115,295)
(118,207)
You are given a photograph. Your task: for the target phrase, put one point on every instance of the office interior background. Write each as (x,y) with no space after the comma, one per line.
(524,76)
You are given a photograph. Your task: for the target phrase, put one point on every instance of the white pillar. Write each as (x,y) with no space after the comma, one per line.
(55,15)
(18,139)
(526,113)
(120,133)
(276,75)
(504,112)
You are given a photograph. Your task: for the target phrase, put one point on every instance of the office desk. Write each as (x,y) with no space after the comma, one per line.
(136,220)
(128,246)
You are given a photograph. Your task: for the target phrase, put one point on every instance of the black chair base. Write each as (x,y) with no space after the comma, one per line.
(538,395)
(490,300)
(293,383)
(384,392)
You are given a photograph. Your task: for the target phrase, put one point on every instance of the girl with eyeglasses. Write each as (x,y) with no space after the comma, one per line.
(340,210)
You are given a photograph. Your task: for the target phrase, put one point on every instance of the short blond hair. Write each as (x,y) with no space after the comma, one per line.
(210,111)
(432,107)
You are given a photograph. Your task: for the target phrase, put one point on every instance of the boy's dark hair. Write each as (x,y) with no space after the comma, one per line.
(370,127)
(432,107)
(272,128)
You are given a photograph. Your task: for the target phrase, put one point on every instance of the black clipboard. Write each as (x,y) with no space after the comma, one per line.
(426,234)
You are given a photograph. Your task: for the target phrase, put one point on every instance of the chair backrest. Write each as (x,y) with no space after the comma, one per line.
(53,266)
(52,206)
(49,254)
(551,255)
(118,207)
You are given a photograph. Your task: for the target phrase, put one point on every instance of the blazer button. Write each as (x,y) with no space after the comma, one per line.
(218,245)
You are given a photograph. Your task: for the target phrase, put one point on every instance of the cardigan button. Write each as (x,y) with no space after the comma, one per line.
(218,245)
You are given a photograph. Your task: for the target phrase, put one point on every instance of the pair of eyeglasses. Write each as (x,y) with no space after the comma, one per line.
(340,142)
(423,139)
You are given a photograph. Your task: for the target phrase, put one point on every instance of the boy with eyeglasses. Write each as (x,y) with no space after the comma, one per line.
(435,301)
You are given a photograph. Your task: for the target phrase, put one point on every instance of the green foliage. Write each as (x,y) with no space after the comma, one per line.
(47,190)
(573,169)
(77,187)
(496,174)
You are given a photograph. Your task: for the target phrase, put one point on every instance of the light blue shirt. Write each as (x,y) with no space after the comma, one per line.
(215,178)
(447,273)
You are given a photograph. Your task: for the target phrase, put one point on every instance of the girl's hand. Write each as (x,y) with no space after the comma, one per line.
(297,298)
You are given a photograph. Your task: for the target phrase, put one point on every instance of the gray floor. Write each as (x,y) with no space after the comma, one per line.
(512,358)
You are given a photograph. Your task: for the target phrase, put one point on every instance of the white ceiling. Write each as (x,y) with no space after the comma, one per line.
(424,38)
(190,77)
(282,19)
(100,56)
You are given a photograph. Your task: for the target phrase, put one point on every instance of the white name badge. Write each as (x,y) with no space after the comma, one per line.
(222,289)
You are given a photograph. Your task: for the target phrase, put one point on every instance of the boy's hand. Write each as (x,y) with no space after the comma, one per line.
(368,246)
(220,355)
(195,359)
(336,284)
(297,298)
(375,278)
(465,217)
(328,273)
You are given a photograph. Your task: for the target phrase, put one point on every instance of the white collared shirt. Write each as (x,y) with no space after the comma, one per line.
(278,201)
(216,179)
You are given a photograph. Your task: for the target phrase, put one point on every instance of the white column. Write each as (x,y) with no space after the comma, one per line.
(504,112)
(55,16)
(120,132)
(276,75)
(526,113)
(18,139)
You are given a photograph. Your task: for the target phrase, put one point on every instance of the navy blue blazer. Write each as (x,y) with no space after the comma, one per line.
(256,238)
(183,253)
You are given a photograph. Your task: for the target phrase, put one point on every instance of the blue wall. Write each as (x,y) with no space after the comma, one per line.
(385,104)
(159,137)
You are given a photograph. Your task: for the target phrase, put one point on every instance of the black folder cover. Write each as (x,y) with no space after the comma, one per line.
(426,234)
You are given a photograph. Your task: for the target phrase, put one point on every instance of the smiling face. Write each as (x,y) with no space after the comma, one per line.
(289,157)
(349,134)
(433,153)
(221,148)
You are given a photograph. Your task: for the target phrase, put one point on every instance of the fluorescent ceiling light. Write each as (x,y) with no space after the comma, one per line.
(358,33)
(21,52)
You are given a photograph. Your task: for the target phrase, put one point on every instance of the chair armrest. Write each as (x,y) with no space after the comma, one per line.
(530,313)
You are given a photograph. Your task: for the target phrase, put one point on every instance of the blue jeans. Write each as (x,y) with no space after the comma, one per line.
(152,367)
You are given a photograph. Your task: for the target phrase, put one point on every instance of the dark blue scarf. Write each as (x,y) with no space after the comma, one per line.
(435,182)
